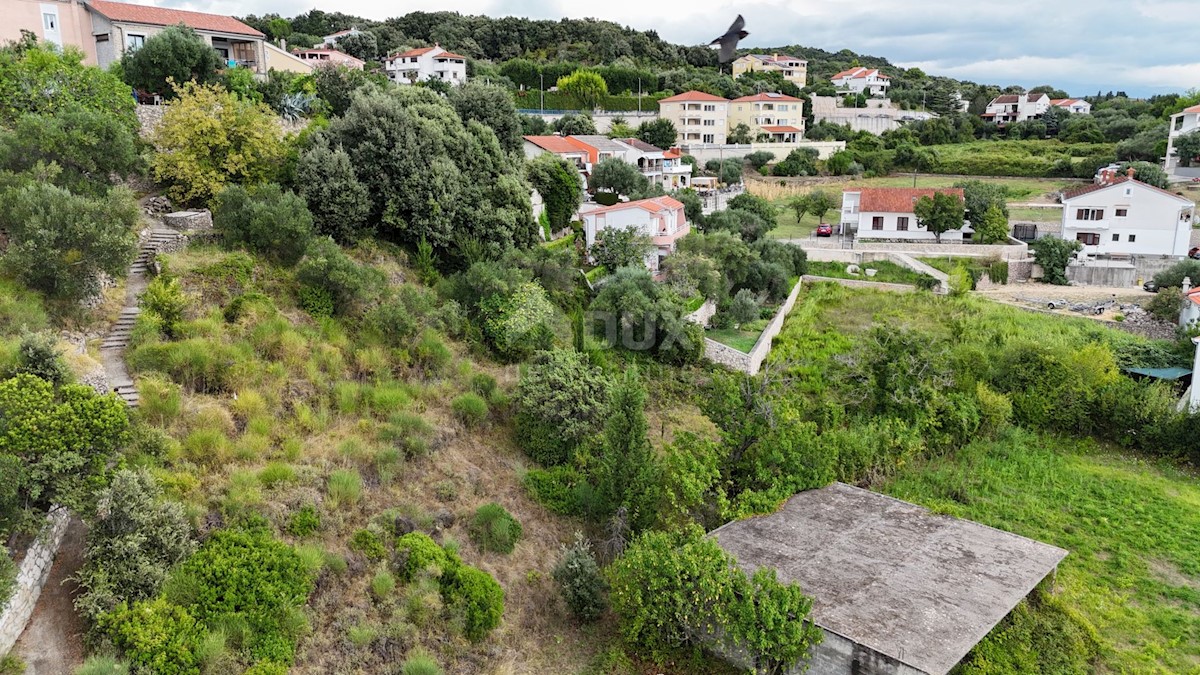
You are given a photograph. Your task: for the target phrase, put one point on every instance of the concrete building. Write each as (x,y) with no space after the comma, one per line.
(774,118)
(279,59)
(860,80)
(793,68)
(660,218)
(105,30)
(324,56)
(896,589)
(887,213)
(878,116)
(1016,108)
(698,117)
(426,63)
(1183,122)
(1119,215)
(331,40)
(1075,106)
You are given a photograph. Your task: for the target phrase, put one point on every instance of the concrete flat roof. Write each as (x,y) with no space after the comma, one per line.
(889,575)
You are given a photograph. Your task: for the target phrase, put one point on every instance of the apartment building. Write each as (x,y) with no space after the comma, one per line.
(793,68)
(426,63)
(699,118)
(775,118)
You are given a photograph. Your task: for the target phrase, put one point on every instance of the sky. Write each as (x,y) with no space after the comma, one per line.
(1142,47)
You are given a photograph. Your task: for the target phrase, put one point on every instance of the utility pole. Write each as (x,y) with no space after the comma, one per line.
(639,97)
(542,90)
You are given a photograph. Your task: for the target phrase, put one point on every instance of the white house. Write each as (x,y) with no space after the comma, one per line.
(426,63)
(858,80)
(660,218)
(1183,122)
(1016,108)
(647,158)
(1076,106)
(1123,216)
(331,40)
(887,213)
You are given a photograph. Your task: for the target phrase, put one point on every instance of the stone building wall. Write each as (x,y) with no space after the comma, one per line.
(31,577)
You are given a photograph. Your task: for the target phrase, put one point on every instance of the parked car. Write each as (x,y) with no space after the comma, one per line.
(824,230)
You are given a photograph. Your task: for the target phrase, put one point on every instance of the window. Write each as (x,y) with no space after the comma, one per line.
(134,41)
(710,108)
(877,223)
(1116,237)
(1121,213)
(902,223)
(1179,123)
(50,21)
(1132,238)
(710,123)
(709,138)
(1089,214)
(1088,238)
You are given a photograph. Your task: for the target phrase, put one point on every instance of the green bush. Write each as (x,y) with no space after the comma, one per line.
(276,473)
(579,580)
(561,400)
(477,597)
(8,576)
(161,401)
(1172,277)
(369,544)
(494,529)
(165,298)
(998,272)
(431,353)
(470,409)
(415,552)
(38,355)
(420,662)
(382,584)
(99,665)
(1166,304)
(318,302)
(556,488)
(155,635)
(352,286)
(345,487)
(268,221)
(304,522)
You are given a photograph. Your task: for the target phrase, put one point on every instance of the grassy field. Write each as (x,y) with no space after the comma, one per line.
(1132,527)
(1016,213)
(741,340)
(885,271)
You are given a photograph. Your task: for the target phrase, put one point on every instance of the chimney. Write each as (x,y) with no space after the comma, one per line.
(283,44)
(1130,171)
(1187,285)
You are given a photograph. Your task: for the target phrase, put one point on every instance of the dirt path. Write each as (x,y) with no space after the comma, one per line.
(52,643)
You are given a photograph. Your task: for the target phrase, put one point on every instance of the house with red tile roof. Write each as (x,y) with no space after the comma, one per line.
(1075,106)
(660,218)
(793,68)
(105,30)
(1120,215)
(859,80)
(887,213)
(1183,122)
(327,56)
(699,117)
(426,63)
(1009,108)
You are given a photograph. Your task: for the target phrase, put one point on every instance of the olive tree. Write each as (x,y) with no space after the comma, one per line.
(169,59)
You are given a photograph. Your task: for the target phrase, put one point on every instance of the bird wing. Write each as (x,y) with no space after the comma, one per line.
(738,24)
(728,47)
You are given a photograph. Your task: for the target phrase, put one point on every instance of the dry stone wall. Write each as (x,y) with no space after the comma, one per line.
(31,577)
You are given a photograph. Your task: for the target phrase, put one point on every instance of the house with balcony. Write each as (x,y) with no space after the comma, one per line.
(1075,106)
(426,63)
(576,153)
(677,174)
(772,117)
(660,218)
(1183,122)
(326,56)
(699,118)
(887,213)
(647,158)
(793,68)
(860,80)
(1122,216)
(1009,108)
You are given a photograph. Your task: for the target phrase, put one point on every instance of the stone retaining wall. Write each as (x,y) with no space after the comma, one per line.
(704,314)
(31,577)
(751,363)
(150,116)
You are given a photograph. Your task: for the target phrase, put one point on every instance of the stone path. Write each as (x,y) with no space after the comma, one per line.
(112,348)
(52,643)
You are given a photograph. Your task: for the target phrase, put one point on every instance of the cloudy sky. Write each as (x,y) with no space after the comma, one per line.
(1139,46)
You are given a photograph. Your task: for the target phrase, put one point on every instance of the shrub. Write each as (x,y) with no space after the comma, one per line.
(494,529)
(556,488)
(209,138)
(744,307)
(382,584)
(350,285)
(345,486)
(1172,277)
(470,408)
(318,302)
(579,580)
(416,552)
(1053,254)
(369,544)
(155,635)
(173,56)
(1166,304)
(38,355)
(477,597)
(267,220)
(998,272)
(276,473)
(561,400)
(8,576)
(304,522)
(431,353)
(165,298)
(420,662)
(759,158)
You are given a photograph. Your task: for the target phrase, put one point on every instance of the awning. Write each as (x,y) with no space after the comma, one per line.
(781,130)
(1169,374)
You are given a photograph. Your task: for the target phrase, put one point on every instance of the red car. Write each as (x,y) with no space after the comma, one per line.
(824,230)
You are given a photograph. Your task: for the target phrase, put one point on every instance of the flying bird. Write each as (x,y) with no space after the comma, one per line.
(729,40)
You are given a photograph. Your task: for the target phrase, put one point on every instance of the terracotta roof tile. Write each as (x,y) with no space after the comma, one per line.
(555,144)
(1117,180)
(896,200)
(781,130)
(1193,109)
(653,205)
(693,96)
(163,16)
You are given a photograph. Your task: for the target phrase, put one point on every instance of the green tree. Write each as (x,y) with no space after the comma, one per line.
(135,537)
(799,162)
(627,469)
(210,138)
(561,401)
(658,132)
(362,45)
(169,59)
(492,106)
(39,79)
(799,204)
(621,247)
(1187,148)
(90,147)
(821,202)
(1148,173)
(994,227)
(337,85)
(979,197)
(60,243)
(520,324)
(759,206)
(573,124)
(940,213)
(769,622)
(559,184)
(759,158)
(614,174)
(741,134)
(579,580)
(268,221)
(339,203)
(1053,254)
(585,86)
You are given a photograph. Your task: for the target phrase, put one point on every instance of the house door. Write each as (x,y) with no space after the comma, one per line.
(51,32)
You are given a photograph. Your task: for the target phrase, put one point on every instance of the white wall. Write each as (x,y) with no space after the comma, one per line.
(1153,219)
(1186,122)
(704,152)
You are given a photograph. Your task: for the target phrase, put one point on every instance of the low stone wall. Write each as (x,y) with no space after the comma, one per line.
(1092,275)
(920,267)
(704,314)
(150,116)
(859,283)
(725,355)
(31,577)
(751,363)
(707,151)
